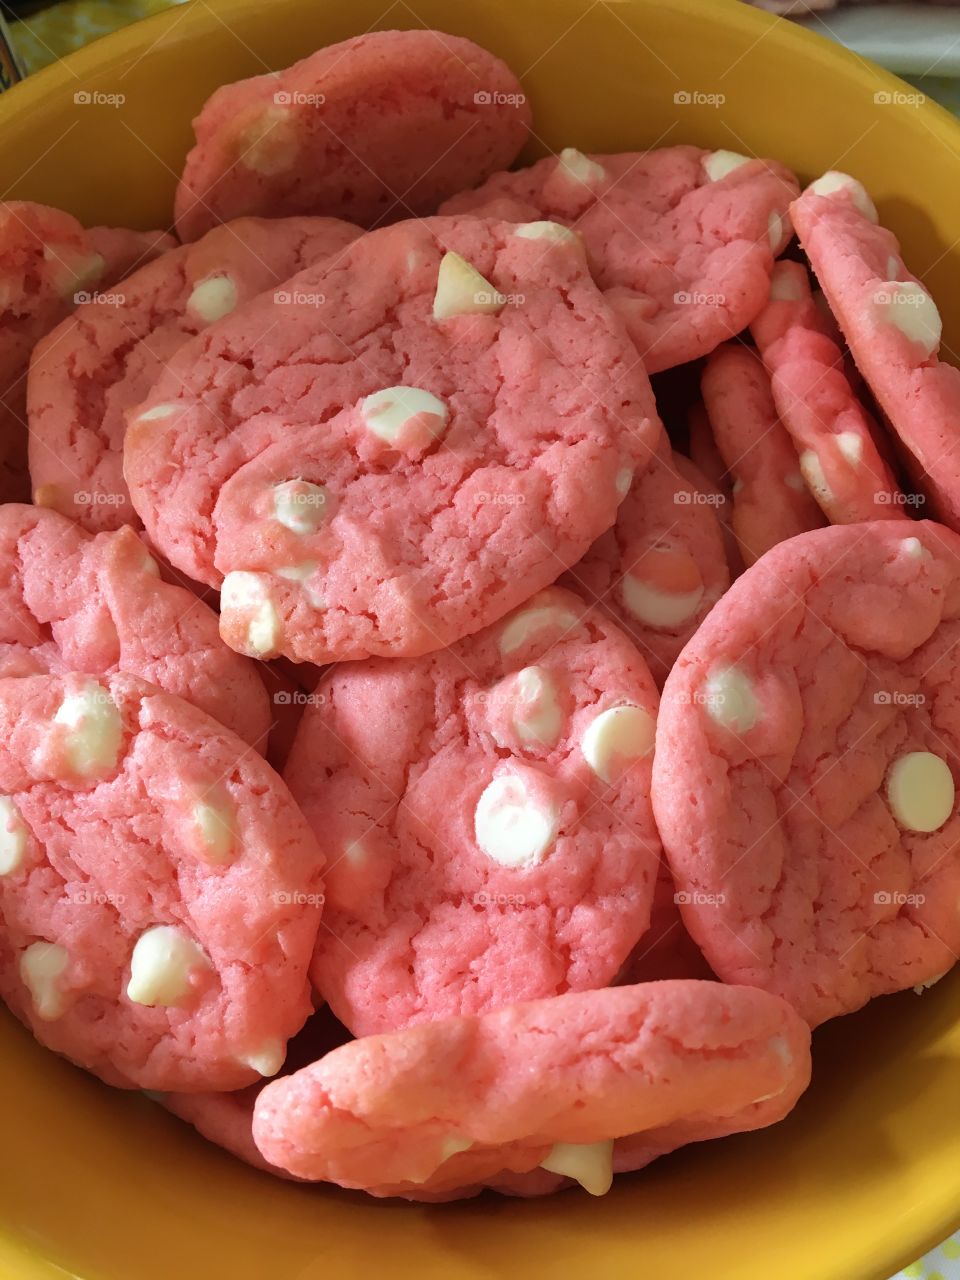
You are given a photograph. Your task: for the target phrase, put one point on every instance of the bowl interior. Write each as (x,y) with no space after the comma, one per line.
(866,1173)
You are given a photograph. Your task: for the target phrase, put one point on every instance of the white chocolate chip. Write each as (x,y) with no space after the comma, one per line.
(41,966)
(301,506)
(920,791)
(914,548)
(658,608)
(150,565)
(730,700)
(214,825)
(833,181)
(776,230)
(213,298)
(589,1163)
(793,481)
(302,573)
(812,470)
(246,593)
(553,231)
(76,274)
(577,167)
(395,412)
(718,164)
(537,715)
(894,269)
(921,987)
(617,737)
(623,481)
(13,837)
(785,283)
(850,445)
(907,305)
(269,145)
(161,965)
(266,1059)
(524,625)
(511,825)
(462,290)
(94,728)
(158,411)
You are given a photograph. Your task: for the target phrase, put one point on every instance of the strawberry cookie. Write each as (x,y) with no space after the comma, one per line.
(72,602)
(159,888)
(48,265)
(105,357)
(489,815)
(375,129)
(892,327)
(536,1095)
(833,432)
(681,240)
(771,501)
(398,448)
(663,565)
(804,775)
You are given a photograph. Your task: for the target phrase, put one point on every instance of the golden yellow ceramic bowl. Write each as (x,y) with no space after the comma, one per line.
(865,1175)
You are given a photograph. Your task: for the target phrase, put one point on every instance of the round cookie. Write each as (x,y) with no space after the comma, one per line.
(892,328)
(104,358)
(663,565)
(373,129)
(487,809)
(159,888)
(400,447)
(574,1085)
(771,501)
(681,240)
(802,781)
(49,264)
(73,602)
(830,428)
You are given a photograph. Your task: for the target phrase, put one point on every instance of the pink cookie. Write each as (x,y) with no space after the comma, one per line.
(104,359)
(771,501)
(226,1119)
(681,240)
(159,888)
(662,567)
(72,602)
(831,429)
(375,129)
(580,1085)
(892,327)
(48,263)
(398,449)
(666,950)
(803,777)
(488,811)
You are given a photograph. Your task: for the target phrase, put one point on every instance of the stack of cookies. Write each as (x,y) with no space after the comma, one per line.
(474,689)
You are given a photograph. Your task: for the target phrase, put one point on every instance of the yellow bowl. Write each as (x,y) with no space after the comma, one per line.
(866,1174)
